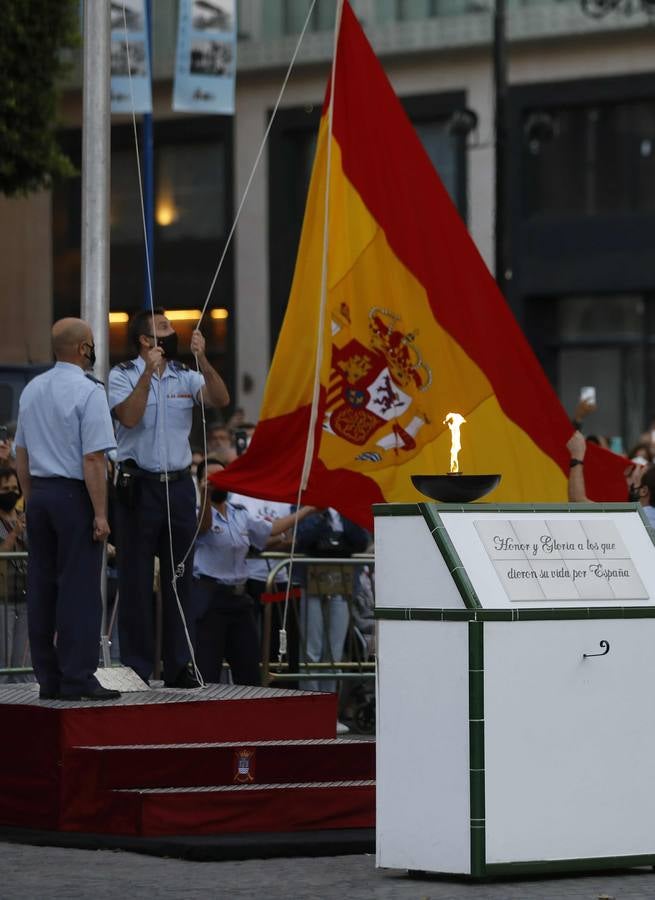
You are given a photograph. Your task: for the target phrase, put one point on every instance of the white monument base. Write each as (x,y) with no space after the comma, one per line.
(501,747)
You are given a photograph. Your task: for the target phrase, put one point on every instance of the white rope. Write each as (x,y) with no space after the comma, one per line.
(256,163)
(310,444)
(176,571)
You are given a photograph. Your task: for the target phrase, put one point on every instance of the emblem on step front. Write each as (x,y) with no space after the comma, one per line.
(244,766)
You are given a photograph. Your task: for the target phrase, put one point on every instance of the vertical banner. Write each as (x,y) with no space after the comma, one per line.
(133,53)
(205,65)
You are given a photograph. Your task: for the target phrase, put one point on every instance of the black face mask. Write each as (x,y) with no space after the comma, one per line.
(8,500)
(91,355)
(218,496)
(168,344)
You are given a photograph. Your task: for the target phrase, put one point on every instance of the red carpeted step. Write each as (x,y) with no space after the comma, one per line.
(91,775)
(164,716)
(256,808)
(190,765)
(35,786)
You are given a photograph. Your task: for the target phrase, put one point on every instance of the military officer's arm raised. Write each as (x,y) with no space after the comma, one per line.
(130,411)
(214,391)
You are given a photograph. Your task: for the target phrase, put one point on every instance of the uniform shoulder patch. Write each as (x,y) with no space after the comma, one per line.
(94,379)
(237,506)
(126,366)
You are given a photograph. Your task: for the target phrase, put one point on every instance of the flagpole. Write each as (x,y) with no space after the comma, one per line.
(502,262)
(147,143)
(96,125)
(309,449)
(94,303)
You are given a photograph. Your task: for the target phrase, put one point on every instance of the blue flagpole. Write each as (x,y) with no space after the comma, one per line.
(148,174)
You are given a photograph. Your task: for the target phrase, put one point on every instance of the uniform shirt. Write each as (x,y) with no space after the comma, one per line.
(221,552)
(160,441)
(265,511)
(62,416)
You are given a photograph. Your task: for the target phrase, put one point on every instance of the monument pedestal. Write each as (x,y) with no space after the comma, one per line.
(509,740)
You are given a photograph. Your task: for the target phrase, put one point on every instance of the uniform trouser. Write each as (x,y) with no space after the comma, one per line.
(63,585)
(225,629)
(142,535)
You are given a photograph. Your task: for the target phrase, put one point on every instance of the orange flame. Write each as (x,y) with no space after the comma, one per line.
(454,421)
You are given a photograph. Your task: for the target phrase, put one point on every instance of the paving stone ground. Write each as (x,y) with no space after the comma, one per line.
(33,873)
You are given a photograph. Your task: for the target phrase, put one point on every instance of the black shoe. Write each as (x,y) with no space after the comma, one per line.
(186,680)
(45,694)
(95,692)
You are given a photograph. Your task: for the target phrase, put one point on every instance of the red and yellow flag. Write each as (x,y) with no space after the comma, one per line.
(414,328)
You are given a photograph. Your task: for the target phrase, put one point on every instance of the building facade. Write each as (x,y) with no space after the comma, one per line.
(579,207)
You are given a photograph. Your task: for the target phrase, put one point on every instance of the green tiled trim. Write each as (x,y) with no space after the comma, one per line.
(569,865)
(514,615)
(424,615)
(396,509)
(477,508)
(476,747)
(430,512)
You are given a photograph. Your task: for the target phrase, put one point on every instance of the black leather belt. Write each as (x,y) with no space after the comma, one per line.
(237,590)
(132,469)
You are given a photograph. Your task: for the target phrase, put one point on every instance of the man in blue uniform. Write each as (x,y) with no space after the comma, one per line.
(152,399)
(64,430)
(224,617)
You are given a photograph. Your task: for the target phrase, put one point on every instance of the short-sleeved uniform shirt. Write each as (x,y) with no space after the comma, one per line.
(221,552)
(62,416)
(266,511)
(160,441)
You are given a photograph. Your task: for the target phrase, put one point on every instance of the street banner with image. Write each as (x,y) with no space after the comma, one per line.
(415,329)
(205,62)
(131,57)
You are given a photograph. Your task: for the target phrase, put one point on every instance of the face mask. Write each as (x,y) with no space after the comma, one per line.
(8,500)
(218,496)
(169,345)
(91,355)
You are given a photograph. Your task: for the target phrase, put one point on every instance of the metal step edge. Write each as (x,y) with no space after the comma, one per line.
(300,742)
(232,788)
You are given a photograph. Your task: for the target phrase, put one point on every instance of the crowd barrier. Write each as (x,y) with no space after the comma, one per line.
(330,630)
(330,633)
(14,645)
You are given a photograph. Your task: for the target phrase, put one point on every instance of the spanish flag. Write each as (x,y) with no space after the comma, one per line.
(392,300)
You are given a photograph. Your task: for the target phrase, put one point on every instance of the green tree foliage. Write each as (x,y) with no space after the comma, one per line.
(33,36)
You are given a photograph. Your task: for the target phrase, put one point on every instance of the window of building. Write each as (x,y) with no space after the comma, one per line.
(606,341)
(192,167)
(592,159)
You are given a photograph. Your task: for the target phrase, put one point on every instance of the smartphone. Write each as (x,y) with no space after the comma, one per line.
(588,394)
(240,441)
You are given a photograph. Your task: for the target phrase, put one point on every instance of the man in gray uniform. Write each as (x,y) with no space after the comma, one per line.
(64,430)
(152,399)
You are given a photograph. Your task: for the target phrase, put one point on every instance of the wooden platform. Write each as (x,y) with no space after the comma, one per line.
(215,761)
